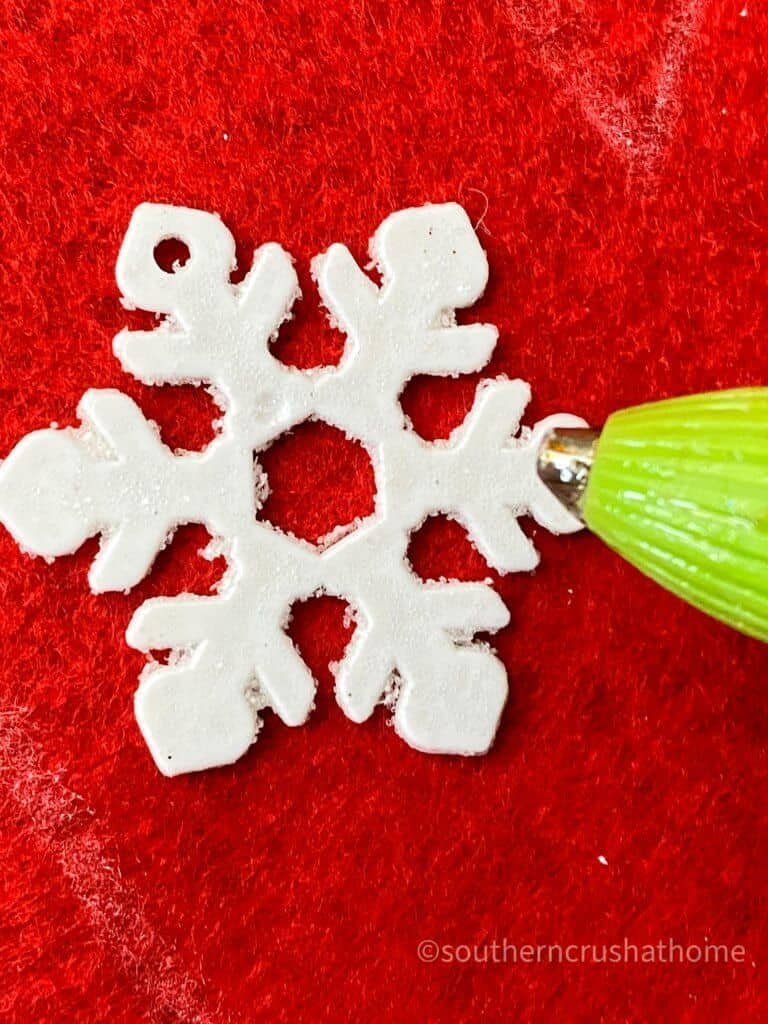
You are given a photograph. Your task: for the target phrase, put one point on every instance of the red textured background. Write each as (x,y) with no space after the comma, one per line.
(615,157)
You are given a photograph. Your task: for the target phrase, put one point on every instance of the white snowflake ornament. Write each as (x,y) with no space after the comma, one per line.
(414,645)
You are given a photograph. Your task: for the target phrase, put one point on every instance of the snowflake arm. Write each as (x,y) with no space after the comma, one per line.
(112,477)
(431,264)
(230,656)
(215,332)
(420,636)
(492,478)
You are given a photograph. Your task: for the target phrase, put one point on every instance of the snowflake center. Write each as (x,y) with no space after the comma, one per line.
(320,484)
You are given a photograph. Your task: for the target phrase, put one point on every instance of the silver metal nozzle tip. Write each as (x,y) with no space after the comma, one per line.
(564,463)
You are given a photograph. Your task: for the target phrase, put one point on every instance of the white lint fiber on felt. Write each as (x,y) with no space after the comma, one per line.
(413,647)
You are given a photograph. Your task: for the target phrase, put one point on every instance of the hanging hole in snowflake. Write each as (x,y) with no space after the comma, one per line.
(171,254)
(320,483)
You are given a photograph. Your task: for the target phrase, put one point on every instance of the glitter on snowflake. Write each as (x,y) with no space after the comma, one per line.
(414,645)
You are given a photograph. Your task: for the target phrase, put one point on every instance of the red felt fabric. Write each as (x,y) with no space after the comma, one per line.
(614,158)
